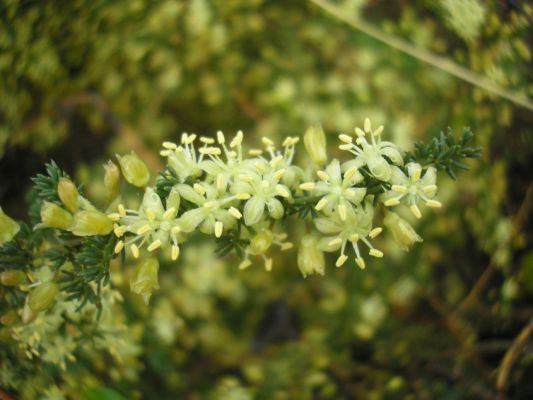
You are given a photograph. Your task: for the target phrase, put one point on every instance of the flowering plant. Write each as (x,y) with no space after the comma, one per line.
(210,186)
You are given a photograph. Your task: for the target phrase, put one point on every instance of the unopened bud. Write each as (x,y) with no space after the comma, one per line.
(12,278)
(144,279)
(315,144)
(134,169)
(111,180)
(8,318)
(402,232)
(68,194)
(42,296)
(261,242)
(8,228)
(53,216)
(310,258)
(90,223)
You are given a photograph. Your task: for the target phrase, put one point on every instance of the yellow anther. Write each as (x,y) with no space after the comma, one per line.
(268,264)
(207,140)
(307,186)
(321,204)
(281,191)
(286,246)
(322,175)
(169,214)
(416,211)
(359,132)
(190,139)
(341,260)
(220,182)
(279,174)
(113,216)
(220,137)
(119,246)
(165,153)
(266,141)
(375,232)
(210,204)
(198,189)
(433,203)
(143,229)
(392,202)
(154,245)
(375,253)
(399,188)
(134,251)
(245,264)
(237,140)
(378,131)
(170,145)
(245,178)
(174,252)
(335,242)
(243,196)
(349,174)
(429,188)
(342,212)
(354,237)
(213,151)
(255,152)
(235,213)
(121,210)
(360,262)
(368,125)
(345,138)
(150,214)
(219,227)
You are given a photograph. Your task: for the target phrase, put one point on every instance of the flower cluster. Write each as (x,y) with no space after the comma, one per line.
(212,186)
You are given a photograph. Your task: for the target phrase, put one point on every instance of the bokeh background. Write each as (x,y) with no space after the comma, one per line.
(82,80)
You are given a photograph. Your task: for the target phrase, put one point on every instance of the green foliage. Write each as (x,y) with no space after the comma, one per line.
(445,152)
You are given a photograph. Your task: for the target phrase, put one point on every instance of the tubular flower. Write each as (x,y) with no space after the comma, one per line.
(53,216)
(152,224)
(356,228)
(310,258)
(337,190)
(134,169)
(412,188)
(371,154)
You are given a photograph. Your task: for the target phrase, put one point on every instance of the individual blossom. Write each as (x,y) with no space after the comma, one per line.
(281,160)
(8,228)
(152,224)
(315,144)
(337,191)
(311,260)
(111,180)
(91,223)
(260,243)
(214,213)
(402,232)
(145,278)
(134,169)
(354,230)
(182,159)
(42,296)
(68,194)
(374,154)
(411,189)
(53,216)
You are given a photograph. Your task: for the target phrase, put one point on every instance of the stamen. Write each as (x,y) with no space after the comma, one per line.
(279,174)
(322,175)
(221,182)
(119,246)
(347,146)
(210,204)
(354,237)
(243,196)
(378,131)
(175,252)
(368,125)
(150,214)
(165,153)
(341,260)
(399,188)
(342,212)
(170,145)
(190,139)
(268,264)
(433,203)
(321,204)
(207,140)
(345,138)
(121,210)
(245,264)
(416,211)
(154,245)
(392,202)
(286,246)
(235,213)
(255,152)
(334,242)
(376,253)
(113,216)
(375,232)
(169,214)
(267,142)
(220,137)
(134,251)
(143,229)
(219,227)
(237,140)
(307,186)
(198,189)
(281,191)
(360,262)
(212,151)
(350,173)
(359,132)
(429,188)
(245,178)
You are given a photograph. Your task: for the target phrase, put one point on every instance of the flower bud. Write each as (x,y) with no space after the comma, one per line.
(402,232)
(13,277)
(261,242)
(8,228)
(315,144)
(111,180)
(310,258)
(53,216)
(42,296)
(134,169)
(28,315)
(90,223)
(68,194)
(144,278)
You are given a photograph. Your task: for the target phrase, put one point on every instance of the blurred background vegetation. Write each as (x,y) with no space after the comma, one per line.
(452,319)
